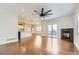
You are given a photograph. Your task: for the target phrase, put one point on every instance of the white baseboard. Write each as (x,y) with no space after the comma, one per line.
(5,42)
(13,38)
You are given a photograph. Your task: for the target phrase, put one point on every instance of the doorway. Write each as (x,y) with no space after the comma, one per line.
(52,30)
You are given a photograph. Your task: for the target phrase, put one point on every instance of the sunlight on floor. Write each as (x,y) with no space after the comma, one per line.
(38,40)
(53,45)
(49,44)
(23,49)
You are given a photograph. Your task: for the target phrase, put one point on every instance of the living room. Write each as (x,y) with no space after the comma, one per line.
(21,26)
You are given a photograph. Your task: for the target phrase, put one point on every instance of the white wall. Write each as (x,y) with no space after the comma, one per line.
(76,34)
(62,22)
(8,25)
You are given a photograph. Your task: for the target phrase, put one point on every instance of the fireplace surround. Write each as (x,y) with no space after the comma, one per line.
(67,34)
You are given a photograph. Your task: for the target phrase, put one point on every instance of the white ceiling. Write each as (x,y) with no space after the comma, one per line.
(58,9)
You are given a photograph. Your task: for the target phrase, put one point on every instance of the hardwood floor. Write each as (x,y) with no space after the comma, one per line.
(39,45)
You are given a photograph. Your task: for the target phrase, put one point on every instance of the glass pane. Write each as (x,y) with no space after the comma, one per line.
(49,29)
(54,30)
(38,28)
(78,24)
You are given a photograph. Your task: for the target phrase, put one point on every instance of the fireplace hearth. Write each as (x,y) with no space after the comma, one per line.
(67,34)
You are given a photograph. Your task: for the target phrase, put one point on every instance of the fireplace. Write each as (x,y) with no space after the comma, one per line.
(67,34)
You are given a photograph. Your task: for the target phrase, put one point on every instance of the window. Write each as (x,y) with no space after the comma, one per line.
(49,29)
(78,24)
(52,30)
(39,28)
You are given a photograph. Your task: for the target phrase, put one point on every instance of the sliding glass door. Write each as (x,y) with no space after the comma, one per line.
(52,30)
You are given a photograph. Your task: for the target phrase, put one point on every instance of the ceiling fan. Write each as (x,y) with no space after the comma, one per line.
(43,13)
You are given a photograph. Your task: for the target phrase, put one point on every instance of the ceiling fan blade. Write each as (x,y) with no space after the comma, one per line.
(49,14)
(42,10)
(36,11)
(47,11)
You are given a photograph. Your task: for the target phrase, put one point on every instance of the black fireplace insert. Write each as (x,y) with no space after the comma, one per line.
(67,34)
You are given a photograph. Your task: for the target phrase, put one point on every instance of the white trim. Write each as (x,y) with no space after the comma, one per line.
(8,41)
